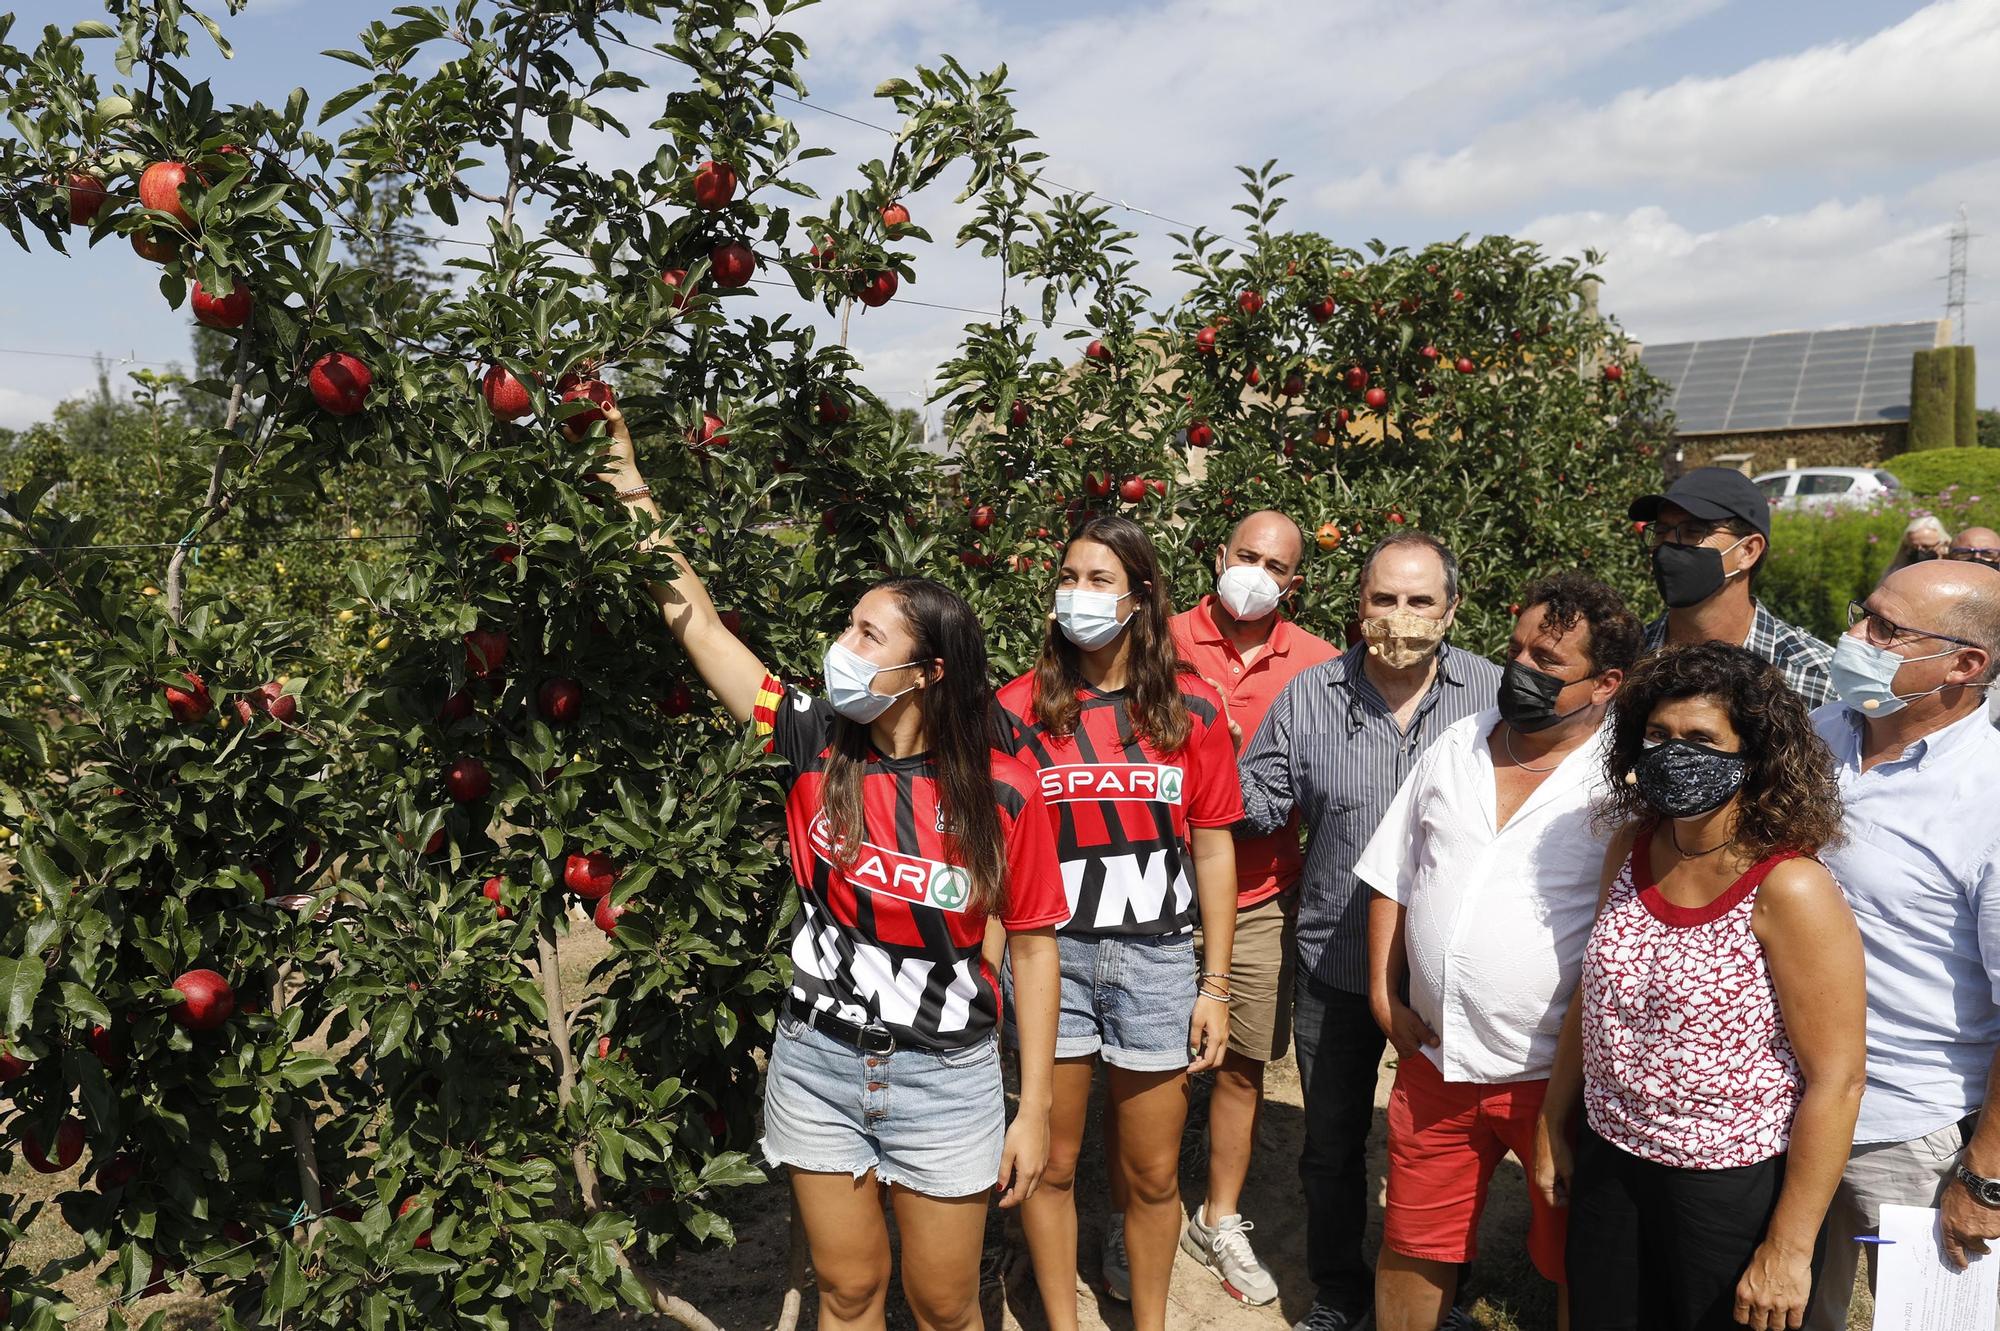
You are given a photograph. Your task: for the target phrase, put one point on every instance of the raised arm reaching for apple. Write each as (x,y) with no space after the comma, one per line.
(730,669)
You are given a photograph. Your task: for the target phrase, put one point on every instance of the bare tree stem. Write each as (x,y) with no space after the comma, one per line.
(301,1127)
(216,504)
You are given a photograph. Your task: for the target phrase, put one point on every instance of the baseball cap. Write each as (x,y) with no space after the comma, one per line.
(1712,494)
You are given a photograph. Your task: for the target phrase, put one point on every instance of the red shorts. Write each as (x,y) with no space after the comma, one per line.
(1445,1138)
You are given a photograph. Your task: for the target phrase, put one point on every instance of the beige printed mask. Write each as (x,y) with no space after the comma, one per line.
(1403,638)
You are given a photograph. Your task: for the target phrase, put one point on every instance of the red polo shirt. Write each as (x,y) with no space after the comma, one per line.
(1265,865)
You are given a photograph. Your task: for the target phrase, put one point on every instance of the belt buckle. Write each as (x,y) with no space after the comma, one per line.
(875,1040)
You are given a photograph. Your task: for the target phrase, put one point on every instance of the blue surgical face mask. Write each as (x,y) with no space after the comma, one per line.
(1864,676)
(850,684)
(1089,619)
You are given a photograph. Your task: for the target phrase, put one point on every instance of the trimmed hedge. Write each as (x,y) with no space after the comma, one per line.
(1965,398)
(1974,471)
(1933,399)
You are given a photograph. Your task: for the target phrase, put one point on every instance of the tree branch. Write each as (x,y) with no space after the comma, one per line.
(663,1303)
(216,504)
(301,1127)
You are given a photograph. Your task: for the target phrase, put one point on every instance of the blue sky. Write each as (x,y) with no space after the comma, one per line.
(1746,167)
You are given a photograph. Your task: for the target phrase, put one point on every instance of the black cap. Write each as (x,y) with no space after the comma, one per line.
(1712,494)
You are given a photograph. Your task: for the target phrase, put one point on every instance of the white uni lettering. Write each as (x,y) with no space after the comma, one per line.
(1134,887)
(1112,781)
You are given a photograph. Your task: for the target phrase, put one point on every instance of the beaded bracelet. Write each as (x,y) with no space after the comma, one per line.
(1212,996)
(636,492)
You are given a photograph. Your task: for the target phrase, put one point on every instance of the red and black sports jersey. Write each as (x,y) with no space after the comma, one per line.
(891,939)
(1122,808)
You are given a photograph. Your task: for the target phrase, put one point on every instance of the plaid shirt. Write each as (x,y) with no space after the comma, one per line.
(1802,659)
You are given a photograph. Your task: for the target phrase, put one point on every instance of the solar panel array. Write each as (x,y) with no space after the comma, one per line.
(1839,376)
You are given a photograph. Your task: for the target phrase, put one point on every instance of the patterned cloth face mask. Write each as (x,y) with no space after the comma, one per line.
(1682,779)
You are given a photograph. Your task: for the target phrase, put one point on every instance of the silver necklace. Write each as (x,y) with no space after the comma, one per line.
(1507,738)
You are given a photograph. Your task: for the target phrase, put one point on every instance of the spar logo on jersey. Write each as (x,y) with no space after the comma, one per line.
(892,873)
(1112,781)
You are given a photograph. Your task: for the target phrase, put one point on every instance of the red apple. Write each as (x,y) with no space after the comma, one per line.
(1098,352)
(560,700)
(590,876)
(1322,309)
(712,433)
(467,779)
(268,699)
(733,621)
(1430,353)
(506,397)
(1069,441)
(1097,486)
(340,383)
(678,701)
(604,1046)
(833,411)
(265,878)
(435,843)
(594,391)
(1250,301)
(732,264)
(895,216)
(506,552)
(1342,416)
(606,915)
(1396,518)
(12,1065)
(1132,489)
(1253,377)
(1356,378)
(982,517)
(1204,341)
(410,1204)
(1464,365)
(86,198)
(485,652)
(675,280)
(1614,372)
(160,190)
(155,249)
(189,704)
(456,707)
(493,891)
(116,1172)
(1017,415)
(879,289)
(206,1000)
(230,311)
(69,1147)
(1376,398)
(714,185)
(1200,435)
(1294,385)
(717,1123)
(1156,486)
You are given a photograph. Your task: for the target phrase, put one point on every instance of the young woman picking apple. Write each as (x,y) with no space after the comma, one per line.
(1135,762)
(908,834)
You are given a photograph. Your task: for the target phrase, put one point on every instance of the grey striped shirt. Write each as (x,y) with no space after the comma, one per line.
(1330,749)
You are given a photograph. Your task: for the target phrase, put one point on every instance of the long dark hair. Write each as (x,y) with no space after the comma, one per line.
(1154,665)
(1790,799)
(956,708)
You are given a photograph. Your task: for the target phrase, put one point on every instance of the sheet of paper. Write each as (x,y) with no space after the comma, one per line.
(1916,1286)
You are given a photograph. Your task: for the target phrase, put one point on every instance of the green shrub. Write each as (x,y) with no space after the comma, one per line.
(1821,560)
(1974,471)
(1933,408)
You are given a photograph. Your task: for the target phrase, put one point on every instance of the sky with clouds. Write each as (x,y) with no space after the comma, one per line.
(1743,167)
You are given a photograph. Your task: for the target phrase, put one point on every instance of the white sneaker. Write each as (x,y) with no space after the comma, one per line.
(1117,1266)
(1226,1251)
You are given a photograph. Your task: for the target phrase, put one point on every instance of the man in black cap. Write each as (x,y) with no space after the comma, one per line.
(1708,533)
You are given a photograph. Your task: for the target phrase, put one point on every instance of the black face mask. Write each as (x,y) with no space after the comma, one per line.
(1680,779)
(1687,574)
(1528,698)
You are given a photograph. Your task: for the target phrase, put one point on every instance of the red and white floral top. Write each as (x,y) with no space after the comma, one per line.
(1685,1057)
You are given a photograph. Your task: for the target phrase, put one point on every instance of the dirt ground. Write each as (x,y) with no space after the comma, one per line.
(740,1287)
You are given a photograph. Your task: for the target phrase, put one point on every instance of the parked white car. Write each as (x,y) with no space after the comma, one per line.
(1805,486)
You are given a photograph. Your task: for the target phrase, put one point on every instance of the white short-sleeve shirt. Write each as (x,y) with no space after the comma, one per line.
(1495,922)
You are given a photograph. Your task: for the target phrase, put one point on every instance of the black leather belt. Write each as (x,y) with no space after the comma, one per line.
(876,1040)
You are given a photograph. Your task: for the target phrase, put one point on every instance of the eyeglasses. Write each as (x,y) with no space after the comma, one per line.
(1976,554)
(1885,632)
(1691,532)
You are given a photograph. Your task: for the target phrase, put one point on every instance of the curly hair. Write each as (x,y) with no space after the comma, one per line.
(1616,637)
(1790,798)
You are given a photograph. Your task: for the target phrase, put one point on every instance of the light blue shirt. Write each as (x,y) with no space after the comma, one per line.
(1921,867)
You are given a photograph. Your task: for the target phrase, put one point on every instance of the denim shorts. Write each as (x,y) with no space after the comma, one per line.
(1128,998)
(932,1122)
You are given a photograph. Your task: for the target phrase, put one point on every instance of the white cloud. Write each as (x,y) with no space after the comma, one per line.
(19,410)
(1911,95)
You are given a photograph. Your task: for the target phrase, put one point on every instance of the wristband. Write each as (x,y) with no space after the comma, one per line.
(636,492)
(1211,995)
